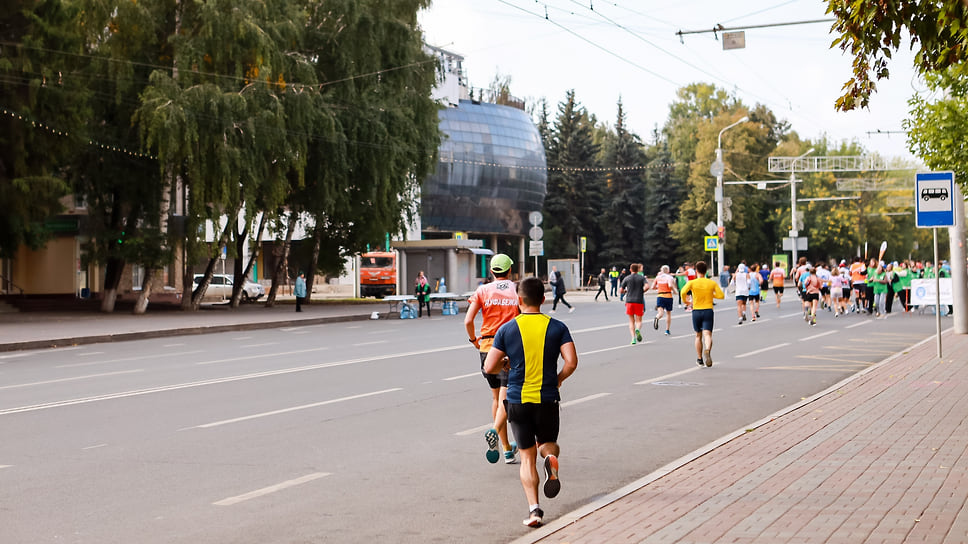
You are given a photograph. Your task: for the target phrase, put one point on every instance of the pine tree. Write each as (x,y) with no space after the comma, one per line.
(623,220)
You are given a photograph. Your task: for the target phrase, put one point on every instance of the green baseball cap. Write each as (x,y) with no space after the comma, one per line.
(501,263)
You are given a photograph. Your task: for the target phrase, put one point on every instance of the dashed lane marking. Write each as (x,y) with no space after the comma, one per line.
(818,368)
(127,359)
(862,323)
(667,376)
(817,336)
(370,343)
(768,348)
(294,408)
(584,399)
(461,377)
(94,447)
(72,379)
(270,489)
(260,345)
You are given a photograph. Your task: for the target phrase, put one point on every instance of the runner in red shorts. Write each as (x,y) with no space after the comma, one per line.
(633,288)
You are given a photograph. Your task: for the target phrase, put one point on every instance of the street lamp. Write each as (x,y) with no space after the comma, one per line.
(794,233)
(717,170)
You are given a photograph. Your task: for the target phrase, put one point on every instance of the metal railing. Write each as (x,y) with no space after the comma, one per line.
(7,286)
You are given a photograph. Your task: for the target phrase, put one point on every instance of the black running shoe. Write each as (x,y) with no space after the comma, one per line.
(552,485)
(655,323)
(534,518)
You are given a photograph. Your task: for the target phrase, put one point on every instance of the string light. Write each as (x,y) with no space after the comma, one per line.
(58,132)
(651,166)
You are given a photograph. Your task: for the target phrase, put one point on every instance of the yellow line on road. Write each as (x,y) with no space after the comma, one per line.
(821,358)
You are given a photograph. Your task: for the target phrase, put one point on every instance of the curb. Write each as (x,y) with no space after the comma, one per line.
(164,333)
(576,515)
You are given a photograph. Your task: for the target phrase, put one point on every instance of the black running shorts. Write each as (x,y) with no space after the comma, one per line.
(495,381)
(533,423)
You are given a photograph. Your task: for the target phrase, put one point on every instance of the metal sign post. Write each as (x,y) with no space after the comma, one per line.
(934,202)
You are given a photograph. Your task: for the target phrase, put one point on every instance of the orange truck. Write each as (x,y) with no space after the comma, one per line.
(378,274)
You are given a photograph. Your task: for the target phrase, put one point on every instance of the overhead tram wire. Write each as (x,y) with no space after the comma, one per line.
(593,44)
(757,12)
(687,63)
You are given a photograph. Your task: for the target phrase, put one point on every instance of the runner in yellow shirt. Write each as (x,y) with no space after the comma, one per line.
(703,291)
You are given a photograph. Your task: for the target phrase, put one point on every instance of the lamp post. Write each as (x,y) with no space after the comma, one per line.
(717,170)
(794,232)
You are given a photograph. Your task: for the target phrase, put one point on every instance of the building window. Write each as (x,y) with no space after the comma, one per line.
(137,276)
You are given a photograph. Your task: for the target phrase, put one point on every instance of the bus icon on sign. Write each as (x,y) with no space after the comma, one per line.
(934,192)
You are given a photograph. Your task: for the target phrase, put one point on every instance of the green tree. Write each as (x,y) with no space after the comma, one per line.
(43,112)
(662,206)
(623,218)
(871,31)
(573,202)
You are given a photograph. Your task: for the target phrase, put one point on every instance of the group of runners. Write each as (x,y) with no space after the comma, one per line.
(519,349)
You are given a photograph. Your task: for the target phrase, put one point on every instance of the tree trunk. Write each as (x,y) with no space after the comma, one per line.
(210,268)
(311,272)
(141,305)
(112,278)
(255,252)
(283,259)
(238,277)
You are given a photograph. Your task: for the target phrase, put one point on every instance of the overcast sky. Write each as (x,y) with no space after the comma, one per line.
(629,48)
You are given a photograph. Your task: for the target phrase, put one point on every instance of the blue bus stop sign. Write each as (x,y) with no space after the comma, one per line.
(934,194)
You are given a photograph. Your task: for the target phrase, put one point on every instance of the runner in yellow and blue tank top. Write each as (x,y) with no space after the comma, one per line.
(532,343)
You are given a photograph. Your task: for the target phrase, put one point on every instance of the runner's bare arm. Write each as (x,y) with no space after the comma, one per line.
(494,361)
(570,356)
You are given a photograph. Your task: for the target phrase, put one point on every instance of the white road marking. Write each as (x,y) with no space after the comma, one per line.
(857,324)
(260,345)
(73,379)
(792,315)
(613,348)
(5,466)
(355,327)
(295,408)
(261,356)
(215,381)
(461,377)
(370,343)
(475,430)
(16,355)
(126,359)
(271,489)
(242,338)
(693,335)
(90,353)
(584,399)
(602,328)
(818,335)
(172,345)
(667,376)
(94,447)
(768,348)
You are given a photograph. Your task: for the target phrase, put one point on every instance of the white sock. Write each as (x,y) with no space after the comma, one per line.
(534,507)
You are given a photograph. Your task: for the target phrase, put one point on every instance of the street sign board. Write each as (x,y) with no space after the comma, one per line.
(711,243)
(536,248)
(934,194)
(801,243)
(584,243)
(535,218)
(710,228)
(536,233)
(734,40)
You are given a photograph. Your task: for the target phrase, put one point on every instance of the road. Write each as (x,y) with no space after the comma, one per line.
(372,431)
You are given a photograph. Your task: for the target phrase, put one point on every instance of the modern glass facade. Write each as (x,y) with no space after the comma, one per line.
(491,175)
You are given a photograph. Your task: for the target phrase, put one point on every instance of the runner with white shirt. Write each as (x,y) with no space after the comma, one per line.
(741,280)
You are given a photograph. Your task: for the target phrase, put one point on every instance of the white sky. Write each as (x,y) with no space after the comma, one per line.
(790,69)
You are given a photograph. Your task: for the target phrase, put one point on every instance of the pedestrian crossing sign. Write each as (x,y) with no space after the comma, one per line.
(712,243)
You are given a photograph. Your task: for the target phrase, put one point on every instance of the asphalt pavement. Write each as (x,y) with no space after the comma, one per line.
(879,457)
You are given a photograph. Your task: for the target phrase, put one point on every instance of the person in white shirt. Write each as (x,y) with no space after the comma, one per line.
(665,286)
(741,281)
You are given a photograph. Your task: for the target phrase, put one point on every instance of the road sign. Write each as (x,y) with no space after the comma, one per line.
(584,243)
(710,228)
(711,243)
(536,233)
(801,243)
(934,199)
(536,248)
(535,218)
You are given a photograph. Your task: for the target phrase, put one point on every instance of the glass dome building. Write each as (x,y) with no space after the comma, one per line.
(490,176)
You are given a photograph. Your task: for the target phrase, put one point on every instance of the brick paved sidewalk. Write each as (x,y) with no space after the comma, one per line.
(881,458)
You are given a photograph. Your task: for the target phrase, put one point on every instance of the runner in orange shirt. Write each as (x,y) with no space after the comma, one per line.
(778,275)
(498,303)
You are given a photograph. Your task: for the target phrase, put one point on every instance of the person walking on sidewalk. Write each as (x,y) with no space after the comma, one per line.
(299,291)
(633,289)
(602,284)
(422,290)
(558,288)
(665,285)
(532,343)
(498,303)
(703,291)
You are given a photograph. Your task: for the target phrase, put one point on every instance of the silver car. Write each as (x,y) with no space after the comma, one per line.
(221,287)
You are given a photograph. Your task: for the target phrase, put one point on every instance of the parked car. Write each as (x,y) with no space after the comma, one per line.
(221,286)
